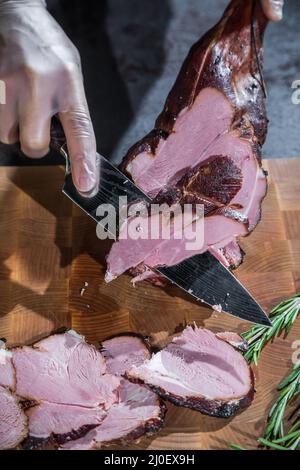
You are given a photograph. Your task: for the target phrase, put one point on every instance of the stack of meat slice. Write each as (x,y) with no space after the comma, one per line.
(60,390)
(138,410)
(64,381)
(205,147)
(63,392)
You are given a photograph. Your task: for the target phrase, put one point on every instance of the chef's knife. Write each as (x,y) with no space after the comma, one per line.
(201,276)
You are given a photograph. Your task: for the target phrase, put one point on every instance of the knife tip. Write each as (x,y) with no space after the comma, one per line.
(266,322)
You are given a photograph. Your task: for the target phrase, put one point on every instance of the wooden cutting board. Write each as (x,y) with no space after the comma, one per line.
(51,274)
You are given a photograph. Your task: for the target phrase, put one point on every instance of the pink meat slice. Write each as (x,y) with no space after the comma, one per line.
(139,412)
(219,230)
(196,130)
(123,352)
(127,253)
(7,372)
(201,133)
(13,422)
(199,371)
(64,369)
(62,422)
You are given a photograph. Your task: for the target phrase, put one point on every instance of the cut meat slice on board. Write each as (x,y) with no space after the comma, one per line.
(56,424)
(123,352)
(139,412)
(7,372)
(206,145)
(69,379)
(69,395)
(64,369)
(13,422)
(200,371)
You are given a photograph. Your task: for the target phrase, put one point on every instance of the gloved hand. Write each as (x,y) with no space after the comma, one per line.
(273,9)
(42,74)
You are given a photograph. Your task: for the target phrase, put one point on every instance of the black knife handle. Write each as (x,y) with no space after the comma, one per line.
(57,135)
(58,141)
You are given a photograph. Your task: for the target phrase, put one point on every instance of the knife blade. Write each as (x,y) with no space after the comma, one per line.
(206,279)
(201,276)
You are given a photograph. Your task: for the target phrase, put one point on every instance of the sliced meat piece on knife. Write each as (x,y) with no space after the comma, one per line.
(230,255)
(206,145)
(237,341)
(7,372)
(13,422)
(52,423)
(124,351)
(64,369)
(200,371)
(139,412)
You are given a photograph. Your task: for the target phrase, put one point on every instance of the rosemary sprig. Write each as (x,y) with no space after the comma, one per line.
(283,317)
(290,441)
(274,434)
(289,390)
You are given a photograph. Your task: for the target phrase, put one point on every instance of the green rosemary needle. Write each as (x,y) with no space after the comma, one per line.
(236,447)
(289,390)
(275,436)
(290,441)
(283,317)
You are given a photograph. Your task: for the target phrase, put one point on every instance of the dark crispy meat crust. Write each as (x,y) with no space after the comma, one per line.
(216,408)
(219,180)
(33,443)
(145,429)
(213,184)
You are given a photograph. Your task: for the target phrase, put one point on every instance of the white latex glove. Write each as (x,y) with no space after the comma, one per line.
(42,74)
(273,9)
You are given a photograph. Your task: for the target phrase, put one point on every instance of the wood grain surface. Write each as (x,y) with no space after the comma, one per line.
(51,275)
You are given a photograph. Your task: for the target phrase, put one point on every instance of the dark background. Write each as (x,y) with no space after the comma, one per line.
(132,50)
